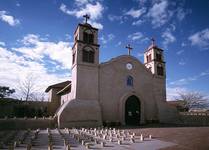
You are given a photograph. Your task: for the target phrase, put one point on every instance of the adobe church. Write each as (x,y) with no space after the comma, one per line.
(122,91)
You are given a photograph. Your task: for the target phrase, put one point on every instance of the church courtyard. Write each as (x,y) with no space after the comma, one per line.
(156,138)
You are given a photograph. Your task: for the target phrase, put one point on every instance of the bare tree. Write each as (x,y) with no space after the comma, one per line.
(192,100)
(28,87)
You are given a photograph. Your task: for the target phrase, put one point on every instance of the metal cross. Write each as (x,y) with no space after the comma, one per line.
(153,41)
(129,49)
(86,16)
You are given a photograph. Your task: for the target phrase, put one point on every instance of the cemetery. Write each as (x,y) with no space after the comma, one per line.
(77,138)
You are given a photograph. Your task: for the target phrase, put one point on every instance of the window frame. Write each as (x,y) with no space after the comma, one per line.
(88,55)
(130,81)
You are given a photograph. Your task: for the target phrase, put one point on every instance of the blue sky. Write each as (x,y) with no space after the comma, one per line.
(36,38)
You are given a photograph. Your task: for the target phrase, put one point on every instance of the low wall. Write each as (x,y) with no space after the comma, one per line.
(195,118)
(26,123)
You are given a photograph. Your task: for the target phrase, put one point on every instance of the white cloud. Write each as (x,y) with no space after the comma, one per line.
(159,13)
(173,92)
(187,80)
(111,36)
(96,24)
(8,18)
(118,44)
(168,37)
(141,2)
(18,4)
(95,11)
(138,22)
(14,69)
(204,73)
(36,48)
(136,36)
(2,43)
(81,2)
(181,13)
(140,54)
(182,62)
(136,13)
(115,18)
(108,38)
(179,52)
(183,44)
(103,40)
(182,81)
(200,39)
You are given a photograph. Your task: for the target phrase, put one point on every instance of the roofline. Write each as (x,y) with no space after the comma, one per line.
(62,90)
(149,48)
(51,86)
(83,25)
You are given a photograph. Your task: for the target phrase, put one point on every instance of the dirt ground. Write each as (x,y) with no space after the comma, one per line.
(186,138)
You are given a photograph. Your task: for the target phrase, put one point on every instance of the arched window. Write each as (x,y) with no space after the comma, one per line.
(160,70)
(88,37)
(88,55)
(149,58)
(130,81)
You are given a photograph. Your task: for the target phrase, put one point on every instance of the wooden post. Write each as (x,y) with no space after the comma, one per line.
(29,147)
(141,138)
(102,144)
(50,147)
(68,147)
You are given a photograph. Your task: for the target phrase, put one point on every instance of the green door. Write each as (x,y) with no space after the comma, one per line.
(132,111)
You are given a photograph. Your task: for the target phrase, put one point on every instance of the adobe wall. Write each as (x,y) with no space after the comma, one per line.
(29,123)
(113,87)
(194,119)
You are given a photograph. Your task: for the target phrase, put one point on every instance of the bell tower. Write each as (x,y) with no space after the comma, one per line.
(154,60)
(85,62)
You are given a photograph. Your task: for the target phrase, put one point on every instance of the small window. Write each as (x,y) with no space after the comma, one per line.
(149,58)
(73,58)
(129,81)
(88,55)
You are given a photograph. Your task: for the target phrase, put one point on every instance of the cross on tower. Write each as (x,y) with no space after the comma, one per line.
(86,16)
(129,49)
(153,41)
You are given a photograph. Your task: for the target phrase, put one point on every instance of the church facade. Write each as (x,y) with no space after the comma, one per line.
(121,91)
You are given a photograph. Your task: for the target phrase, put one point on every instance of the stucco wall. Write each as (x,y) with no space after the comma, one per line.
(113,89)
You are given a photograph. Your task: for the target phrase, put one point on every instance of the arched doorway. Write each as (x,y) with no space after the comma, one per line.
(132,111)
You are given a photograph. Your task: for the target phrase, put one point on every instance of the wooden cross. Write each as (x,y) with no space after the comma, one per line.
(86,16)
(153,41)
(129,49)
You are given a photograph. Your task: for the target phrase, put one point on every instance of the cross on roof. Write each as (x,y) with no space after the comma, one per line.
(153,41)
(86,16)
(129,49)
